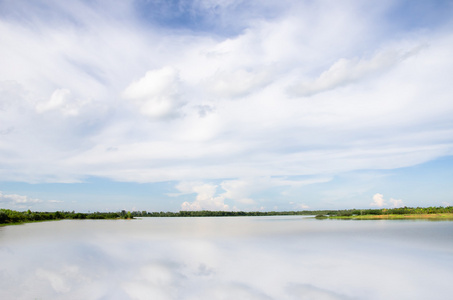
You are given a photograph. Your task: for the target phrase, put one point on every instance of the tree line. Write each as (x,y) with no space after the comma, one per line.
(8,216)
(343,212)
(210,213)
(392,211)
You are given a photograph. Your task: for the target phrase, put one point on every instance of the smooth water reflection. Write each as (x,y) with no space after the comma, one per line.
(227,258)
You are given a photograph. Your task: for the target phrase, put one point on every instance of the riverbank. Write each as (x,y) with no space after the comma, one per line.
(439,216)
(12,217)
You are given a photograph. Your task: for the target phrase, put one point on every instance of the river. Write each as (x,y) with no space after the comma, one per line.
(283,257)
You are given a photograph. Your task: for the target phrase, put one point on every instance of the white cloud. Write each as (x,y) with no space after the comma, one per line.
(239,190)
(57,100)
(55,201)
(156,94)
(396,202)
(245,193)
(205,199)
(348,71)
(237,83)
(298,206)
(62,100)
(378,200)
(15,201)
(18,199)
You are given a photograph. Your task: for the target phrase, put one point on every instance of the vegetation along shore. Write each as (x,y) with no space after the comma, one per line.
(431,213)
(10,217)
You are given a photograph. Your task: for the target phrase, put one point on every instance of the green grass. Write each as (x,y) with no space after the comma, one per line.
(439,216)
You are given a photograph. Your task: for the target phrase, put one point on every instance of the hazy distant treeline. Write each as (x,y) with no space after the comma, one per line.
(209,213)
(393,211)
(12,216)
(344,212)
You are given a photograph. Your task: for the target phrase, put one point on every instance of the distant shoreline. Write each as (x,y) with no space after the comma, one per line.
(11,217)
(440,216)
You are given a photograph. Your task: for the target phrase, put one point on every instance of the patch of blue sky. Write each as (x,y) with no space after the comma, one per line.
(96,194)
(355,189)
(216,18)
(430,182)
(412,15)
(420,185)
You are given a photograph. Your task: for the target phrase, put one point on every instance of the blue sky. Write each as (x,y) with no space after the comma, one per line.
(225,105)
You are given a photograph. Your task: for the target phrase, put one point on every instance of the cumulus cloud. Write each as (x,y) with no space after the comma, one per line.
(378,200)
(62,100)
(205,199)
(208,197)
(157,94)
(18,199)
(239,190)
(58,99)
(15,201)
(244,193)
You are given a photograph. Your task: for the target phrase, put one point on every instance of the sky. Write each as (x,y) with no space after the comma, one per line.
(225,105)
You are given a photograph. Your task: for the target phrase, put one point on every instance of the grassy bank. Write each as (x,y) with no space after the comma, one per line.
(439,216)
(400,213)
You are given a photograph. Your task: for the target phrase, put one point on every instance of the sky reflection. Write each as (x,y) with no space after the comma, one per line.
(226,258)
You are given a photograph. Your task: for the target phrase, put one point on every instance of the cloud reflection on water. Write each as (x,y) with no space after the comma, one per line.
(226,258)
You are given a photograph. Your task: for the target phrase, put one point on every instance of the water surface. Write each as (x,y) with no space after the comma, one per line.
(284,257)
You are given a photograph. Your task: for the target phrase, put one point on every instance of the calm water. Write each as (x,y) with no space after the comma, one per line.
(227,258)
